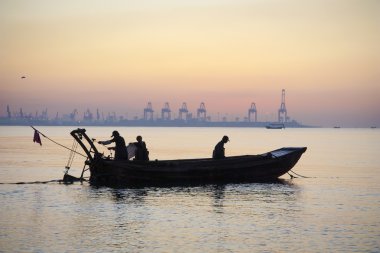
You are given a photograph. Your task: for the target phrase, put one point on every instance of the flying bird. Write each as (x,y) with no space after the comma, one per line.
(23,77)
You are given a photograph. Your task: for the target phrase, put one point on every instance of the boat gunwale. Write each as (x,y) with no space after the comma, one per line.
(209,159)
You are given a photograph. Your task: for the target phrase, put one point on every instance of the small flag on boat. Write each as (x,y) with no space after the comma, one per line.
(37,137)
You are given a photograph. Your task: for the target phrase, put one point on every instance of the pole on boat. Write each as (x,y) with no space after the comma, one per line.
(85,164)
(66,177)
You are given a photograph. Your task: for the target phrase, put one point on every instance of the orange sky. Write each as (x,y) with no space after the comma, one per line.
(118,55)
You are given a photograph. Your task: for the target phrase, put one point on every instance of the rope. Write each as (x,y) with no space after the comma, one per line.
(46,182)
(59,143)
(291,176)
(38,182)
(72,155)
(299,174)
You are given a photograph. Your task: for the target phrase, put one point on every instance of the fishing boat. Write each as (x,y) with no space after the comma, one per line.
(246,168)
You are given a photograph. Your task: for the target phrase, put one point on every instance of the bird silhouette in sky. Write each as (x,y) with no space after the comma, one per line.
(23,77)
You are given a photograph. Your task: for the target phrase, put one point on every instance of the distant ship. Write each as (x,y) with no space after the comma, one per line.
(275,126)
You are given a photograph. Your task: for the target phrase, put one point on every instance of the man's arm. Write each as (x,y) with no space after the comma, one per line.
(105,142)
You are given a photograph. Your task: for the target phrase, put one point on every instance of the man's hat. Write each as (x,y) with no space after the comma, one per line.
(115,133)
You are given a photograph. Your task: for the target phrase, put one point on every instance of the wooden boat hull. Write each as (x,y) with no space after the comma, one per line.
(248,168)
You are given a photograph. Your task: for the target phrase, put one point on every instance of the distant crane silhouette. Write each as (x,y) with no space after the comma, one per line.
(21,113)
(97,115)
(183,111)
(44,114)
(282,113)
(253,111)
(148,112)
(201,112)
(73,114)
(88,116)
(166,112)
(9,112)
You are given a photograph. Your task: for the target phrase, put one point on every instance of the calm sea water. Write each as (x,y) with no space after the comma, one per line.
(336,210)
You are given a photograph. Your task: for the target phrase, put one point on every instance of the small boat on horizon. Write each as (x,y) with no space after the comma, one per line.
(275,126)
(246,168)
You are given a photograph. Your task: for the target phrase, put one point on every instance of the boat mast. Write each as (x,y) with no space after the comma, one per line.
(78,135)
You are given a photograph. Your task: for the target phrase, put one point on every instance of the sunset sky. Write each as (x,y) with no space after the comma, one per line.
(118,55)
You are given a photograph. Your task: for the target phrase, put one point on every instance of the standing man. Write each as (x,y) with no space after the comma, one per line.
(120,149)
(218,152)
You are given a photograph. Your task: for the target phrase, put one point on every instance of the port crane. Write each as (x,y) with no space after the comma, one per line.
(201,112)
(183,112)
(252,111)
(282,113)
(148,112)
(166,112)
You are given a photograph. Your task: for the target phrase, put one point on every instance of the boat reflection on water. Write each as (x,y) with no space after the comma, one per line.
(215,196)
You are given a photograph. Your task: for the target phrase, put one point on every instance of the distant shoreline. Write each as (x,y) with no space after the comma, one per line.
(147,123)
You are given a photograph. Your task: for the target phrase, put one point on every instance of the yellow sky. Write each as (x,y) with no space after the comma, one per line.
(118,55)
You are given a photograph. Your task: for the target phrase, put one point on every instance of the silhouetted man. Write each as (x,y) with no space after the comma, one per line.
(120,149)
(142,153)
(218,152)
